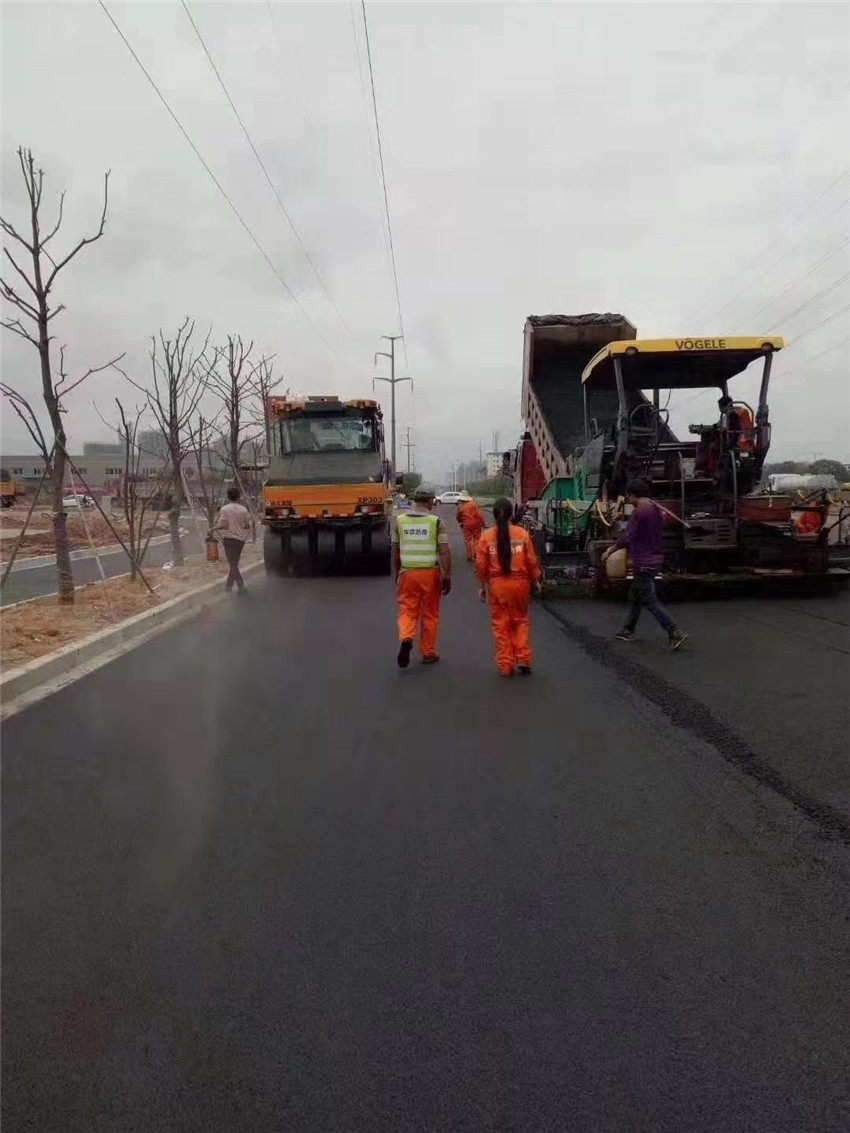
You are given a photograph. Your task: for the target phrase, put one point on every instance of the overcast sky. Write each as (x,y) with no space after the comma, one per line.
(641,158)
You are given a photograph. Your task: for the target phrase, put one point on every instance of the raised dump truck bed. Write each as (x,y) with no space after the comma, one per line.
(556,350)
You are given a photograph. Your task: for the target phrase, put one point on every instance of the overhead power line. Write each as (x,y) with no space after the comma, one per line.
(794,282)
(217,183)
(814,299)
(816,357)
(775,263)
(817,326)
(791,342)
(384,185)
(373,156)
(776,239)
(264,169)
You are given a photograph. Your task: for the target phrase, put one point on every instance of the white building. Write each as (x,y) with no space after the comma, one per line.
(494,464)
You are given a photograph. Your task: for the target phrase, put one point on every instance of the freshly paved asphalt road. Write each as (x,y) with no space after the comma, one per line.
(766,678)
(256,878)
(36,581)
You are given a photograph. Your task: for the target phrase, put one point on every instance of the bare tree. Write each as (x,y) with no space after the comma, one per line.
(141,495)
(208,475)
(32,323)
(234,386)
(263,384)
(250,473)
(180,376)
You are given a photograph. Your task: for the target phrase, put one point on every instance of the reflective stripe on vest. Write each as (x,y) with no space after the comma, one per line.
(417,539)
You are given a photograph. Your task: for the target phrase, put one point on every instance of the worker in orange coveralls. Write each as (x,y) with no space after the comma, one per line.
(507,565)
(472,524)
(422,564)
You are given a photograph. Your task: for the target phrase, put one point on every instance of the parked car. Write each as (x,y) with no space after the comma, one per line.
(452,497)
(77,501)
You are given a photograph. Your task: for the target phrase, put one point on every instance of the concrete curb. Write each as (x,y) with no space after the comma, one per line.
(46,670)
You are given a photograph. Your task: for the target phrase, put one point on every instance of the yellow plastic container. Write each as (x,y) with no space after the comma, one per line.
(616,564)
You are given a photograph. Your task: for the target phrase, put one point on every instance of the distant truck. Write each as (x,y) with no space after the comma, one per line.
(10,488)
(327,499)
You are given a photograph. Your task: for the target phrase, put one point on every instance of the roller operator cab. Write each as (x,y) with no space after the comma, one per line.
(328,498)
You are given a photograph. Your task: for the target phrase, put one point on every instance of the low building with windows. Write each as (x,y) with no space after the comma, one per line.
(102,471)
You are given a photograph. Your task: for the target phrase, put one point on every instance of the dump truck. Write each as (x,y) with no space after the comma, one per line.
(10,488)
(556,348)
(592,402)
(327,498)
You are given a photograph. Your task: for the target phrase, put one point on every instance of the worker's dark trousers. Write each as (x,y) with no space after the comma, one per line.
(233,551)
(642,594)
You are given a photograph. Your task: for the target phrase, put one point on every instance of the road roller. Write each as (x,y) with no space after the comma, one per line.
(327,499)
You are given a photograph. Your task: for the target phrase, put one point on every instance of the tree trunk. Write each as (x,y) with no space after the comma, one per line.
(174,517)
(174,531)
(60,528)
(135,545)
(58,461)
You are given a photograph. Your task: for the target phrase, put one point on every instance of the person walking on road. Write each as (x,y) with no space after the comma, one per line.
(507,566)
(643,541)
(422,564)
(234,527)
(472,524)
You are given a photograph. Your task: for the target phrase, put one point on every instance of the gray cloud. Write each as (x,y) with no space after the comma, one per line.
(540,157)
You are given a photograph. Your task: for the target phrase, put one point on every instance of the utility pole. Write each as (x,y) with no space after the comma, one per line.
(393,381)
(408,444)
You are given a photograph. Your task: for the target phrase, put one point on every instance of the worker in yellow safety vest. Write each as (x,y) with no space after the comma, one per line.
(422,564)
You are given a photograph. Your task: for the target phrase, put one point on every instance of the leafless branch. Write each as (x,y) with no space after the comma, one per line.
(11,296)
(85,240)
(17,327)
(210,480)
(60,392)
(113,428)
(26,413)
(56,227)
(10,230)
(20,271)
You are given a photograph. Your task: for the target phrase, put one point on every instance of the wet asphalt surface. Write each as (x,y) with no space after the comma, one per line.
(256,878)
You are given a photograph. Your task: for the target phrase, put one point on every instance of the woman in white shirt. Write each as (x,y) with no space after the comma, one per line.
(234,527)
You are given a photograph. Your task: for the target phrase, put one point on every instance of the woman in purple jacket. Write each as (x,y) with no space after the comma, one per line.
(643,540)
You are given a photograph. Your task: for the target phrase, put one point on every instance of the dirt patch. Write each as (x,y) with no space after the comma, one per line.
(38,539)
(33,629)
